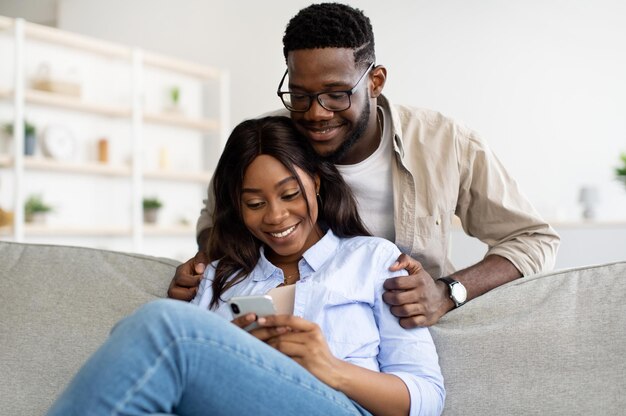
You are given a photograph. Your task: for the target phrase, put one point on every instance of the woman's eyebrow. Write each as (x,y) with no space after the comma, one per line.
(278,185)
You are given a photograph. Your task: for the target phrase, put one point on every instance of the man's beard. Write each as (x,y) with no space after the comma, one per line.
(357,134)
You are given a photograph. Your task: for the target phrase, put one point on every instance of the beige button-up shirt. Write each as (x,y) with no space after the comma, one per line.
(443,169)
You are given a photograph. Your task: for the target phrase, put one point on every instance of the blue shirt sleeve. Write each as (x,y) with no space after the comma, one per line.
(205,291)
(409,354)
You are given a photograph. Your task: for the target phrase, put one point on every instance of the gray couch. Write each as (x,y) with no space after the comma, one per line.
(547,345)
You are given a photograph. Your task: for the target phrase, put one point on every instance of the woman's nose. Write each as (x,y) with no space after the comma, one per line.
(276,213)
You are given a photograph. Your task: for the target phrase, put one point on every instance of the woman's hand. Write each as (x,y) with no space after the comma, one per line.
(264,333)
(304,342)
(244,320)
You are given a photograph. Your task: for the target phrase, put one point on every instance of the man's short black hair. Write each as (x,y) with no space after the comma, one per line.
(331,25)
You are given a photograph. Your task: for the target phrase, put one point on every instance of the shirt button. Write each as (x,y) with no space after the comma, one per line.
(438,221)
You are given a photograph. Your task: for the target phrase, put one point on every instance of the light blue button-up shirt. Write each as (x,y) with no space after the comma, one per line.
(340,289)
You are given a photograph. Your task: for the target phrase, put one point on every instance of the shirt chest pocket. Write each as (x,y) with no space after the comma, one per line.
(434,226)
(431,243)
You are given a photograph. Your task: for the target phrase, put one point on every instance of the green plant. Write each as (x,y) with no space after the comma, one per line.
(34,204)
(29,129)
(175,95)
(152,203)
(621,170)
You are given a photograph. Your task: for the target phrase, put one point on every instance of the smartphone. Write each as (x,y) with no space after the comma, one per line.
(261,305)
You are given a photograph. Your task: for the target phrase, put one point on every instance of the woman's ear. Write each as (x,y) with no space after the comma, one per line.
(317,181)
(378,77)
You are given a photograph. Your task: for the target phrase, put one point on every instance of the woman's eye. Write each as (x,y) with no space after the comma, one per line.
(254,205)
(291,195)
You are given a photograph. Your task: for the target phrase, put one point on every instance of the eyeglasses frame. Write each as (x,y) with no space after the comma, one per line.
(349,92)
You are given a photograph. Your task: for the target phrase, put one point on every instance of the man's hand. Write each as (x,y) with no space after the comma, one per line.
(417,299)
(184,285)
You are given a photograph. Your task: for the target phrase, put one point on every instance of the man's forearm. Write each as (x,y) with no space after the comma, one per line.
(491,272)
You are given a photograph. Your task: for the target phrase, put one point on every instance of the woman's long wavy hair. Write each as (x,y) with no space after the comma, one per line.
(230,241)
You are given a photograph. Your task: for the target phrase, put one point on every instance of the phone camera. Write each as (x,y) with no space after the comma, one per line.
(234,307)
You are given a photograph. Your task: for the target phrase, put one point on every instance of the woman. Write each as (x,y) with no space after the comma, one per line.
(283,217)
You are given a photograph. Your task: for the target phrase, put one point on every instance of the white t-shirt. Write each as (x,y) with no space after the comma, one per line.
(371,183)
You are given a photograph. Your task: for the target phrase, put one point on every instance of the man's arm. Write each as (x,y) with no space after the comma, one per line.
(493,209)
(419,300)
(184,284)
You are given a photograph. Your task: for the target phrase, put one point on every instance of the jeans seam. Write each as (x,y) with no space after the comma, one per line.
(175,342)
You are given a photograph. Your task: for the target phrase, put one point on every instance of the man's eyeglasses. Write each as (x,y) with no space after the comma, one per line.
(330,100)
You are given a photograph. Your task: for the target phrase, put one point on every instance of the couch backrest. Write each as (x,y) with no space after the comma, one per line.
(57,305)
(552,344)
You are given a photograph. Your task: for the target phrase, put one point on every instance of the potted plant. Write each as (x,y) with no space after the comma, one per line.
(151,208)
(35,209)
(620,171)
(174,99)
(30,135)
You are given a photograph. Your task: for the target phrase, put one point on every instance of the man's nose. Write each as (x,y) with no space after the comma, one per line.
(317,112)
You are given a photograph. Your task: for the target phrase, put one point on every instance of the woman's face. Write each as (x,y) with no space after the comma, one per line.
(274,208)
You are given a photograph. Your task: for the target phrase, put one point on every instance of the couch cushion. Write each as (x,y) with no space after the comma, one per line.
(57,305)
(551,344)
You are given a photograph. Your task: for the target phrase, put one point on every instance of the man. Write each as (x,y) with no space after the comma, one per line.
(411,170)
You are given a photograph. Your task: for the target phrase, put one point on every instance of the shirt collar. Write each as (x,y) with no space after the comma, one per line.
(315,257)
(321,251)
(394,120)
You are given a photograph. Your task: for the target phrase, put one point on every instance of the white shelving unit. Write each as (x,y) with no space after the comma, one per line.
(156,151)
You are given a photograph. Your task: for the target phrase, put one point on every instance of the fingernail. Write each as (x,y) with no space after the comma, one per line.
(261,320)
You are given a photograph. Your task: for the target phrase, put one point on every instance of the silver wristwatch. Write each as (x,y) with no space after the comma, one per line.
(458,293)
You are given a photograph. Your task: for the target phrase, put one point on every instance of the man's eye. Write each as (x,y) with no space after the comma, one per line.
(336,96)
(299,97)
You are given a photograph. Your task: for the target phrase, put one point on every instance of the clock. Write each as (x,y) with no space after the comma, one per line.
(58,142)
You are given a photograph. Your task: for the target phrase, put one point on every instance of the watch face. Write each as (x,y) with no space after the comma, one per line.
(458,292)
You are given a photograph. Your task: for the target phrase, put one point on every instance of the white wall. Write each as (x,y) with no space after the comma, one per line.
(543,80)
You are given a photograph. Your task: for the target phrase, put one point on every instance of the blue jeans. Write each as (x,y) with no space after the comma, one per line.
(170,357)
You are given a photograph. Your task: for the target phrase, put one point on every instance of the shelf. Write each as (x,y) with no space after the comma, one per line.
(68,39)
(69,103)
(180,66)
(95,168)
(173,119)
(567,224)
(200,177)
(172,230)
(587,224)
(5,93)
(43,230)
(76,104)
(141,128)
(40,163)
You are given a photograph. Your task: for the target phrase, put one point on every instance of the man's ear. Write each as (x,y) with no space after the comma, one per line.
(378,76)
